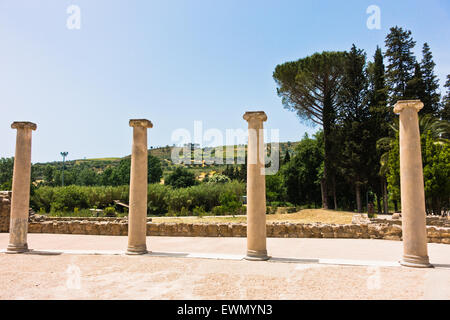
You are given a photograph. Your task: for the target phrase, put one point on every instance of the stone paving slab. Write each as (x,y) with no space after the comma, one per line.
(213,268)
(309,248)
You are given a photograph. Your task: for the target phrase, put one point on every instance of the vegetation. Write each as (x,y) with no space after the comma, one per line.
(162,199)
(352,100)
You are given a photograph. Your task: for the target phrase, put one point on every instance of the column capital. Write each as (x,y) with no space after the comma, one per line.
(23,125)
(255,115)
(402,104)
(141,123)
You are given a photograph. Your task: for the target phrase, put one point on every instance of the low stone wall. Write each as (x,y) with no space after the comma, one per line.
(431,221)
(274,230)
(5,210)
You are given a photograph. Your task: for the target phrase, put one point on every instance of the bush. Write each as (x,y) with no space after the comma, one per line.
(110,212)
(181,178)
(157,199)
(218,178)
(71,197)
(161,198)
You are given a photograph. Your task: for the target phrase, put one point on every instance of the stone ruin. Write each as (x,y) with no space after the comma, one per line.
(413,231)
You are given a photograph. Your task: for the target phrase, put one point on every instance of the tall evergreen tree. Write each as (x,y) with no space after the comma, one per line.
(400,69)
(445,112)
(309,87)
(417,84)
(380,118)
(431,96)
(355,115)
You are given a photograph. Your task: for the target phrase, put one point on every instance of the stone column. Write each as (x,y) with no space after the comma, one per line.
(415,253)
(256,188)
(20,202)
(137,218)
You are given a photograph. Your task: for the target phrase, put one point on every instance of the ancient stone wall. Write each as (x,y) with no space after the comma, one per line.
(5,210)
(119,227)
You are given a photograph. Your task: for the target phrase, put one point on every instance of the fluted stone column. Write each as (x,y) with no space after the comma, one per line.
(137,218)
(20,202)
(256,188)
(415,253)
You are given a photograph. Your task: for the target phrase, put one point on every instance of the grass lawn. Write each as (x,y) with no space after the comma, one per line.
(303,216)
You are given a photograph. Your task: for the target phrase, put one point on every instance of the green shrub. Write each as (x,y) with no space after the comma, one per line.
(161,198)
(110,212)
(157,199)
(218,178)
(181,178)
(199,211)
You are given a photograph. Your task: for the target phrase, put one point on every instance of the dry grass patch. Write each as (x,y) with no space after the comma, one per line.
(303,216)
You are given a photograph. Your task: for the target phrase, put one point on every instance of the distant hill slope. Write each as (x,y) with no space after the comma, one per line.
(163,153)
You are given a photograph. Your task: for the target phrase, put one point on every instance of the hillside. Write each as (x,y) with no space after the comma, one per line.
(162,153)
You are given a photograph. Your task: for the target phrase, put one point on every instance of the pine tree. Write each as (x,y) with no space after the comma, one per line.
(400,70)
(417,84)
(355,115)
(445,112)
(380,118)
(309,87)
(431,97)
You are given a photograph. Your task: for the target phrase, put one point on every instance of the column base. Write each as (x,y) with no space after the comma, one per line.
(134,251)
(12,248)
(257,255)
(415,261)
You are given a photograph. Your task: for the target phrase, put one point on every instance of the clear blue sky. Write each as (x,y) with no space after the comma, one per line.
(174,62)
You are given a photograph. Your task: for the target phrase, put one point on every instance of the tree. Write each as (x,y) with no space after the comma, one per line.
(400,70)
(445,112)
(6,173)
(436,172)
(431,96)
(275,188)
(430,128)
(181,178)
(86,177)
(355,115)
(309,87)
(48,175)
(302,175)
(155,171)
(417,84)
(287,157)
(380,118)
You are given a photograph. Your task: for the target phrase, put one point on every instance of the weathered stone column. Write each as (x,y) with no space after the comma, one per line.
(415,253)
(256,188)
(20,202)
(137,218)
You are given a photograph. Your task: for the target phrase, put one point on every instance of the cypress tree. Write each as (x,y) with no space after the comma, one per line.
(445,112)
(431,96)
(400,70)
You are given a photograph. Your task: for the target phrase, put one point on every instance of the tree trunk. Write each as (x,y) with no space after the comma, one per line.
(358,197)
(334,193)
(323,189)
(385,196)
(395,206)
(378,203)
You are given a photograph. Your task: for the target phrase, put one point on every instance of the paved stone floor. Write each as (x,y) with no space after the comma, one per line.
(94,267)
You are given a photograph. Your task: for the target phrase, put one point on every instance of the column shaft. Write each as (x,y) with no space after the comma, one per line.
(20,202)
(415,253)
(256,188)
(137,219)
